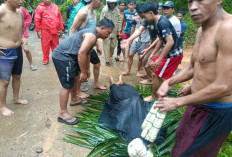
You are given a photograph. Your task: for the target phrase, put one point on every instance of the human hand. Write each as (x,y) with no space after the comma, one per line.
(61,32)
(184,90)
(163,89)
(155,64)
(83,77)
(166,104)
(39,34)
(2,53)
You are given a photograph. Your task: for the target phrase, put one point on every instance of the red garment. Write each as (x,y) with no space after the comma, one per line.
(48,41)
(49,18)
(168,66)
(27,22)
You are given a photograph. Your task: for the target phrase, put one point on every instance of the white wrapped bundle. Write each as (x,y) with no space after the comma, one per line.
(136,148)
(152,123)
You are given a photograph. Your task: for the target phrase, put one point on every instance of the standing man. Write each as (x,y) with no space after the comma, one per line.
(70,8)
(11,57)
(111,12)
(128,15)
(71,57)
(122,8)
(168,9)
(48,22)
(165,64)
(86,18)
(180,16)
(207,120)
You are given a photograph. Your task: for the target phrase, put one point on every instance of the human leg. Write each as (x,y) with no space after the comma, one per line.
(16,76)
(94,59)
(106,50)
(3,92)
(157,81)
(118,50)
(55,41)
(28,54)
(46,41)
(129,63)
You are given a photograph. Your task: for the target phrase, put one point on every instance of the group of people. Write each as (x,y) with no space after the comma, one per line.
(207,119)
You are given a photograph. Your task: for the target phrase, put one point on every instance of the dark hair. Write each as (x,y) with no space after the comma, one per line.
(150,7)
(122,2)
(132,1)
(181,12)
(139,7)
(106,23)
(155,2)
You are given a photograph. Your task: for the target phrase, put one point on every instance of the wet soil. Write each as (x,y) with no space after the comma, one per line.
(35,125)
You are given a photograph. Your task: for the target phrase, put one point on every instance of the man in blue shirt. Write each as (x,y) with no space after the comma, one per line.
(180,16)
(127,20)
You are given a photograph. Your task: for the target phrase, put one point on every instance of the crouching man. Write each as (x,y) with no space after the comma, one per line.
(71,57)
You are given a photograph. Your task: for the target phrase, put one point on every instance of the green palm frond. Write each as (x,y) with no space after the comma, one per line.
(106,142)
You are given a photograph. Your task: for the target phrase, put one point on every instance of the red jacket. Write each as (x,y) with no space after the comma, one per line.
(49,18)
(27,22)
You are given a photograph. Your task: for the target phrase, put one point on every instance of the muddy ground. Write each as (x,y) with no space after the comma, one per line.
(35,125)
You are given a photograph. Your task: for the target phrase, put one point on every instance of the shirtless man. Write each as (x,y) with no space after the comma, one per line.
(207,119)
(86,18)
(11,29)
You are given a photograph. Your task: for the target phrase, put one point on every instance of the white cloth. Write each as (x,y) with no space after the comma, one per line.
(176,24)
(137,148)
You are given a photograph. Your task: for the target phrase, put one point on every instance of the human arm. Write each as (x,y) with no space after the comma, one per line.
(136,33)
(78,21)
(89,41)
(61,25)
(184,90)
(37,20)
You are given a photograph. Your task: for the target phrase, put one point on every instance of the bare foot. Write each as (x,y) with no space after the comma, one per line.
(120,81)
(6,112)
(141,75)
(126,73)
(123,60)
(98,86)
(82,95)
(149,98)
(19,101)
(111,80)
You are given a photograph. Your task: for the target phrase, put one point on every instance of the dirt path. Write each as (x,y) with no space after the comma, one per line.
(35,125)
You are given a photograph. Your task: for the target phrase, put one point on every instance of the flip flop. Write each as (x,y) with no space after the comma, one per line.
(82,102)
(66,120)
(33,68)
(84,88)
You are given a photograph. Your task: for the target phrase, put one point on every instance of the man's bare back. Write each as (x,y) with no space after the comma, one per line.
(11,27)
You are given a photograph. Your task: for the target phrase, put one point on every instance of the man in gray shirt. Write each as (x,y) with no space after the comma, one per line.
(73,56)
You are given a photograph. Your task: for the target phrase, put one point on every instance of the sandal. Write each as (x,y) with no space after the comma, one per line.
(82,102)
(66,120)
(33,68)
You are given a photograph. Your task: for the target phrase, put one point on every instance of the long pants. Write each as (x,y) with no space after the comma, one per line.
(119,47)
(109,45)
(48,41)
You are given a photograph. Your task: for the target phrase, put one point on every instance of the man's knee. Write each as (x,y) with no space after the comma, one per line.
(5,83)
(97,66)
(16,77)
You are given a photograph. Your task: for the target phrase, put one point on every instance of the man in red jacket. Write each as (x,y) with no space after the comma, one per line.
(48,22)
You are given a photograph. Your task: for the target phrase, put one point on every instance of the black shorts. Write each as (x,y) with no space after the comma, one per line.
(94,59)
(66,70)
(18,64)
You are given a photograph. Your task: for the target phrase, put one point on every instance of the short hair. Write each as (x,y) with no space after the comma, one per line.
(132,1)
(106,23)
(139,7)
(181,12)
(150,7)
(122,2)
